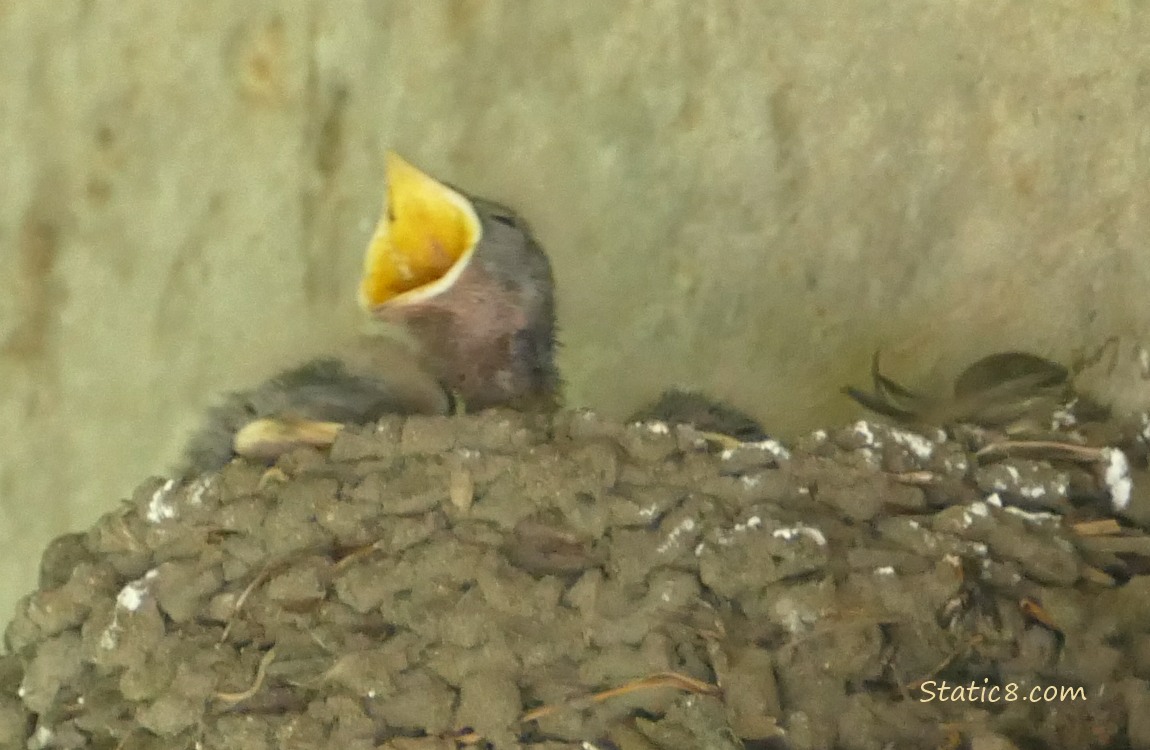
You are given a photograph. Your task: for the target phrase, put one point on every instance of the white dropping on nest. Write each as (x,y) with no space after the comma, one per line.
(1064,418)
(774,447)
(129,599)
(977,508)
(753,522)
(1034,516)
(1117,478)
(657,427)
(862,429)
(686,525)
(199,487)
(132,595)
(798,530)
(920,446)
(159,509)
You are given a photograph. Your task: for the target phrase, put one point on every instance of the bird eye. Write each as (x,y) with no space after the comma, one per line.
(505,219)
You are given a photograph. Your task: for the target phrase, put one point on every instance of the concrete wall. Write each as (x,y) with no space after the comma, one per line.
(747,196)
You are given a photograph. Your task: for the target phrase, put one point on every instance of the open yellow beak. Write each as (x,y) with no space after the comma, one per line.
(424,240)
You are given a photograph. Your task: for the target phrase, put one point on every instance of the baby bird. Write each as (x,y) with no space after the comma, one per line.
(472,289)
(679,406)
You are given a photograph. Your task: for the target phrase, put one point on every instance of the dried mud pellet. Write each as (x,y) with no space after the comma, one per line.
(426,436)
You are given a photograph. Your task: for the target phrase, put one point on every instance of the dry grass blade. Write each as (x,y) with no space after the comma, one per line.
(1133,544)
(1047,449)
(916,478)
(1033,610)
(356,555)
(257,683)
(721,439)
(1099,527)
(651,682)
(1098,577)
(262,576)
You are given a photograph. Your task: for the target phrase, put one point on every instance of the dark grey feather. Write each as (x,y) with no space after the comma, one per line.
(321,390)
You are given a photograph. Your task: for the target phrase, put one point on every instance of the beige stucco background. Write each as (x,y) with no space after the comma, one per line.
(747,196)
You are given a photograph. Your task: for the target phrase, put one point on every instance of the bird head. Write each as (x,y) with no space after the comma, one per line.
(470,283)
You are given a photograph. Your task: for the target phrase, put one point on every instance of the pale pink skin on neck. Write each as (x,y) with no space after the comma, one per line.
(467,334)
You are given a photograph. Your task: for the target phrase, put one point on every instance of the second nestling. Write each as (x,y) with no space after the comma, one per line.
(474,291)
(1015,392)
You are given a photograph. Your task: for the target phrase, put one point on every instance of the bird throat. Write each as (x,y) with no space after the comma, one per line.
(466,335)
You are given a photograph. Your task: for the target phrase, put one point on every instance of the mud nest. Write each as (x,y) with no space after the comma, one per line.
(576,583)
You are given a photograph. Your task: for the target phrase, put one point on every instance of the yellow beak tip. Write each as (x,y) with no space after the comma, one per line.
(423,241)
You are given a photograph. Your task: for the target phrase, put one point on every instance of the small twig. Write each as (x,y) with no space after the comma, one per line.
(1096,576)
(260,578)
(261,673)
(1117,545)
(1067,451)
(651,682)
(467,737)
(272,474)
(1099,527)
(916,478)
(356,554)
